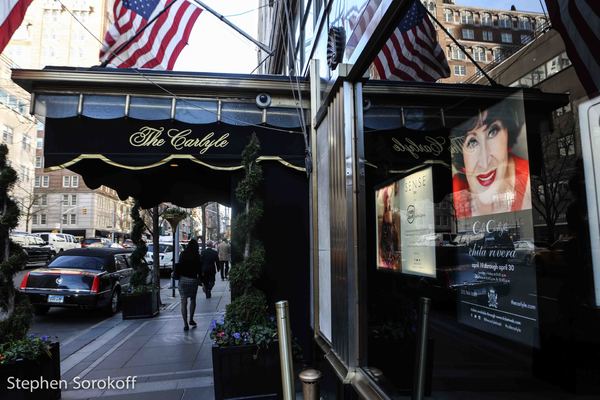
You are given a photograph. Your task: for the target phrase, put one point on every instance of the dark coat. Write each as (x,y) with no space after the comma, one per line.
(210,262)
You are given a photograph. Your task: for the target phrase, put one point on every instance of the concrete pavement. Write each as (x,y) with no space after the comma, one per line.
(168,363)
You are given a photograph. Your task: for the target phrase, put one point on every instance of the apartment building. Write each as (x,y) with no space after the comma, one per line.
(66,33)
(488,35)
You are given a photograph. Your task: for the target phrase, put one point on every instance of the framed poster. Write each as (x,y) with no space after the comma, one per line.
(387,234)
(417,223)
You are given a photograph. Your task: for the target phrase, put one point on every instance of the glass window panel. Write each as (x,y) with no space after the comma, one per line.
(104,107)
(285,117)
(150,108)
(56,106)
(241,113)
(196,111)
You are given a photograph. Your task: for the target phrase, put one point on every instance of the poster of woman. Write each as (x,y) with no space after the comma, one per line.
(490,168)
(388,227)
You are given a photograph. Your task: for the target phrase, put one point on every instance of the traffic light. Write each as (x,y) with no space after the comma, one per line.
(84,211)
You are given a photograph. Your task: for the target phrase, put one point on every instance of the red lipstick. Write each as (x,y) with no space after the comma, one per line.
(487,179)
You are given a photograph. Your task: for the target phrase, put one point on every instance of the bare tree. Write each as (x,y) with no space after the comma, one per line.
(549,188)
(30,205)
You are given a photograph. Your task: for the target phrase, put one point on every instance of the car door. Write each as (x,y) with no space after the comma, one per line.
(124,269)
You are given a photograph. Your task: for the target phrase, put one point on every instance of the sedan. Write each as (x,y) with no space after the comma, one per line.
(85,278)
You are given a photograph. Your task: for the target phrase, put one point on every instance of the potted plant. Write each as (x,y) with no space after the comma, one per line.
(244,354)
(21,356)
(142,298)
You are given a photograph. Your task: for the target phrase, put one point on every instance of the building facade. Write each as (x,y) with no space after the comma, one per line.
(488,35)
(64,33)
(410,217)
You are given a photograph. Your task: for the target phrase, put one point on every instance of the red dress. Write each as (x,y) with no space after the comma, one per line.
(462,195)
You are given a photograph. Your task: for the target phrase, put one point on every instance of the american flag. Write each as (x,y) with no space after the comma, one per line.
(12,13)
(578,22)
(158,46)
(412,53)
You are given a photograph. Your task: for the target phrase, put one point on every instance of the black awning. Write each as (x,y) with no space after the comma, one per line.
(160,161)
(134,144)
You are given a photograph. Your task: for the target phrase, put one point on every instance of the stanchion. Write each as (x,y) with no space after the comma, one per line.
(310,384)
(285,349)
(421,357)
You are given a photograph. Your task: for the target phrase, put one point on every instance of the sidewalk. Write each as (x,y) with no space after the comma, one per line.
(168,362)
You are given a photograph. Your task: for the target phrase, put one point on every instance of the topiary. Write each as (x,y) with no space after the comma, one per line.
(15,310)
(141,270)
(248,307)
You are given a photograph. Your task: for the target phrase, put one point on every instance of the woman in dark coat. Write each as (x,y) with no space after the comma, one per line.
(189,271)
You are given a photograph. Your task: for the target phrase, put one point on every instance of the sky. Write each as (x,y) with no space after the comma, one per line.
(215,47)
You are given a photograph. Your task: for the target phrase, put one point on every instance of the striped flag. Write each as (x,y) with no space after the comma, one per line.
(12,13)
(159,45)
(412,53)
(578,22)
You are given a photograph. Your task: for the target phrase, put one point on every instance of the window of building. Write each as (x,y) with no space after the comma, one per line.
(66,181)
(65,199)
(43,199)
(73,219)
(468,34)
(448,15)
(538,74)
(65,219)
(39,143)
(432,7)
(506,37)
(486,19)
(466,17)
(456,53)
(73,199)
(7,134)
(488,36)
(498,55)
(525,23)
(504,21)
(460,70)
(566,145)
(37,181)
(526,39)
(45,181)
(39,162)
(75,181)
(541,22)
(479,54)
(34,219)
(26,143)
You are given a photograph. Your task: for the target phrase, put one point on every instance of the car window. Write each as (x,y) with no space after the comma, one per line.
(121,262)
(18,239)
(83,262)
(38,240)
(44,237)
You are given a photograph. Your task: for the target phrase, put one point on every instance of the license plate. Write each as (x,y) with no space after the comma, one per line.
(52,298)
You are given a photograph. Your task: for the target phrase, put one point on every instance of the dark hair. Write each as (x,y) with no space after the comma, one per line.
(191,251)
(507,114)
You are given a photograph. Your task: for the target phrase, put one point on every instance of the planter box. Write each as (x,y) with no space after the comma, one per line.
(140,305)
(44,369)
(241,372)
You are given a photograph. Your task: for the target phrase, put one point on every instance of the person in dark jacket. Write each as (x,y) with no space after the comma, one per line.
(210,265)
(189,270)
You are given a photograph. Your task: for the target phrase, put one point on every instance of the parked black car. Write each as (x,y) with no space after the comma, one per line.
(37,251)
(85,278)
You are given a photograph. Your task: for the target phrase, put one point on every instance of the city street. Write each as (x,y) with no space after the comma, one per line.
(166,362)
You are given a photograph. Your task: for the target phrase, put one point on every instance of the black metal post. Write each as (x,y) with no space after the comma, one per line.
(421,354)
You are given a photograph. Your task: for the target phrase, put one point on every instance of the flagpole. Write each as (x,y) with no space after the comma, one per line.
(115,53)
(462,48)
(233,26)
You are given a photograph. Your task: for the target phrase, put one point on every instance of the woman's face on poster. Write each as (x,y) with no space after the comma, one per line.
(485,153)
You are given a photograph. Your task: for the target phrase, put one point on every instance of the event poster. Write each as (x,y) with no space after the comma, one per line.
(417,224)
(388,227)
(492,201)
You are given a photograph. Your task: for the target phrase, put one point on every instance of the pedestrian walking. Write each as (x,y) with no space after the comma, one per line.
(210,264)
(224,250)
(189,269)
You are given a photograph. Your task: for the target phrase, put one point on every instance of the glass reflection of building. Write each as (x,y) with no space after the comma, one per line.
(505,298)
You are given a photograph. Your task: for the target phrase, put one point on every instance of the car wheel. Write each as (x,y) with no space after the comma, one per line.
(40,310)
(113,305)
